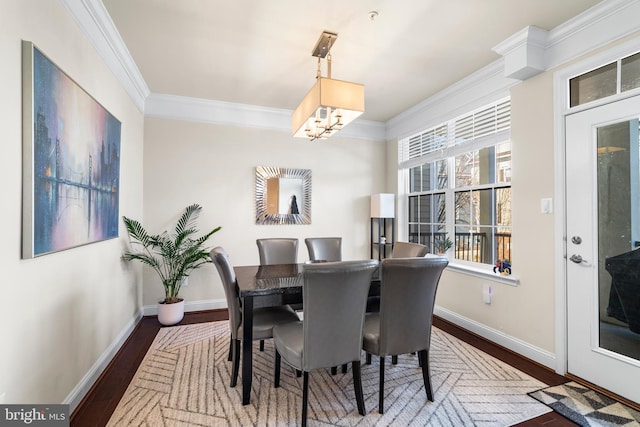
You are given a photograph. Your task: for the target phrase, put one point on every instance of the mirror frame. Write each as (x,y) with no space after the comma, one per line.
(263,173)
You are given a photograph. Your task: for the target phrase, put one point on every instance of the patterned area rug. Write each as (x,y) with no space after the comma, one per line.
(184,381)
(587,407)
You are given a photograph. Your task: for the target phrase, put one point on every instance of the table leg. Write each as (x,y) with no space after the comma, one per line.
(247,344)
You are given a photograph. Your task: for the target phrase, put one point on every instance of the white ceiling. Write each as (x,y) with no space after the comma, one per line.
(258,52)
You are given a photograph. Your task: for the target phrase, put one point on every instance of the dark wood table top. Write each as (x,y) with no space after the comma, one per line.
(269,279)
(256,280)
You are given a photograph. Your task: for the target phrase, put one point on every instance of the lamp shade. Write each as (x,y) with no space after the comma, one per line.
(343,100)
(383,205)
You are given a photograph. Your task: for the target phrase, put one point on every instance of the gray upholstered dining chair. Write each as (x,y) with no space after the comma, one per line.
(324,248)
(331,332)
(403,325)
(264,319)
(278,251)
(400,250)
(408,250)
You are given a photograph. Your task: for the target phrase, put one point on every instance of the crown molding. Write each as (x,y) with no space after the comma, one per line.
(524,53)
(94,20)
(482,87)
(232,114)
(529,35)
(604,23)
(365,129)
(217,112)
(601,24)
(533,50)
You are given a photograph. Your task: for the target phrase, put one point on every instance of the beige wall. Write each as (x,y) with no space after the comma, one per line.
(525,312)
(59,312)
(214,165)
(62,312)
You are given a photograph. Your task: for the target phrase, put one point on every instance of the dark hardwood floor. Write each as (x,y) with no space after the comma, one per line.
(98,405)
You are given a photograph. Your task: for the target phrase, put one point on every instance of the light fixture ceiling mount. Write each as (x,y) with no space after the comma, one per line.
(324,44)
(330,104)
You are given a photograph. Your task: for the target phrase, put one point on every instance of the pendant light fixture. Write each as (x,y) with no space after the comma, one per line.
(330,104)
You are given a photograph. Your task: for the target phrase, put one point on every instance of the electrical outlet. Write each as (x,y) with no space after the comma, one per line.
(486,293)
(2,396)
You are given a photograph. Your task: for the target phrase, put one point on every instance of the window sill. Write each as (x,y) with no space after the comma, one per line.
(482,273)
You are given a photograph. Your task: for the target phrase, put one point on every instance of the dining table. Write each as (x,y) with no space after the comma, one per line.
(268,286)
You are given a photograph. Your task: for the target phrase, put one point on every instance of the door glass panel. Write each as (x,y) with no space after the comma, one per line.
(618,237)
(630,77)
(596,84)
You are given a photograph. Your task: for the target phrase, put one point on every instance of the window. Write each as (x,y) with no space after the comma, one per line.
(611,79)
(427,208)
(482,203)
(459,184)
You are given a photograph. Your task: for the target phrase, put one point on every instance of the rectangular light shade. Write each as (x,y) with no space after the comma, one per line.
(337,94)
(383,206)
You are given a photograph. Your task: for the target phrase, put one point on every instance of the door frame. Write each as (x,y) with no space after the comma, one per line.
(560,111)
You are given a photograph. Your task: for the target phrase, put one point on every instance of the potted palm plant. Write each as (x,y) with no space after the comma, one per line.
(173,255)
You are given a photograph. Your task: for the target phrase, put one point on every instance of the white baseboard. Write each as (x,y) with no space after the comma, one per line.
(523,348)
(212,304)
(82,388)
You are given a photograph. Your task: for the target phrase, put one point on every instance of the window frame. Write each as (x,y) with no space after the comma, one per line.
(447,149)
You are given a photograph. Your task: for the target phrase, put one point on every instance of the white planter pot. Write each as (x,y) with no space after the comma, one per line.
(170,314)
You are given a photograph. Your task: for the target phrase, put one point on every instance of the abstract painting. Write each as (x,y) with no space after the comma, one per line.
(71,161)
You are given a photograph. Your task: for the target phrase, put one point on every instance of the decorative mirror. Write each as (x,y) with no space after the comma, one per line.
(283,195)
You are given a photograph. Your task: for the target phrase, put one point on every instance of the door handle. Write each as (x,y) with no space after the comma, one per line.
(578,259)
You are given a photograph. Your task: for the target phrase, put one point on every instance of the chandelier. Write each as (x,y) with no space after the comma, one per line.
(330,104)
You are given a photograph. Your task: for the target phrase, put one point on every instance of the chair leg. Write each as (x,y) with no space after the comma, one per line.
(344,368)
(368,362)
(305,398)
(381,387)
(276,371)
(426,375)
(261,345)
(236,363)
(394,360)
(357,385)
(334,370)
(230,358)
(298,373)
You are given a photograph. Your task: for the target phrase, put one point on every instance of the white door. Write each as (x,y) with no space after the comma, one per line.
(603,229)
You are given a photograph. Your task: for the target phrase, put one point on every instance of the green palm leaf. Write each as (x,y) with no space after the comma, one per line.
(172,256)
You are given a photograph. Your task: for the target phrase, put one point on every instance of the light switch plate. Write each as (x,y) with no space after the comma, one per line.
(546,206)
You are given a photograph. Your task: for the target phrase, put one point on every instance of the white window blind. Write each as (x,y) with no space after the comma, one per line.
(486,126)
(427,142)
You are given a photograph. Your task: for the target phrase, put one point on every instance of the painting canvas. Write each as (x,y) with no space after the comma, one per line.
(71,161)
